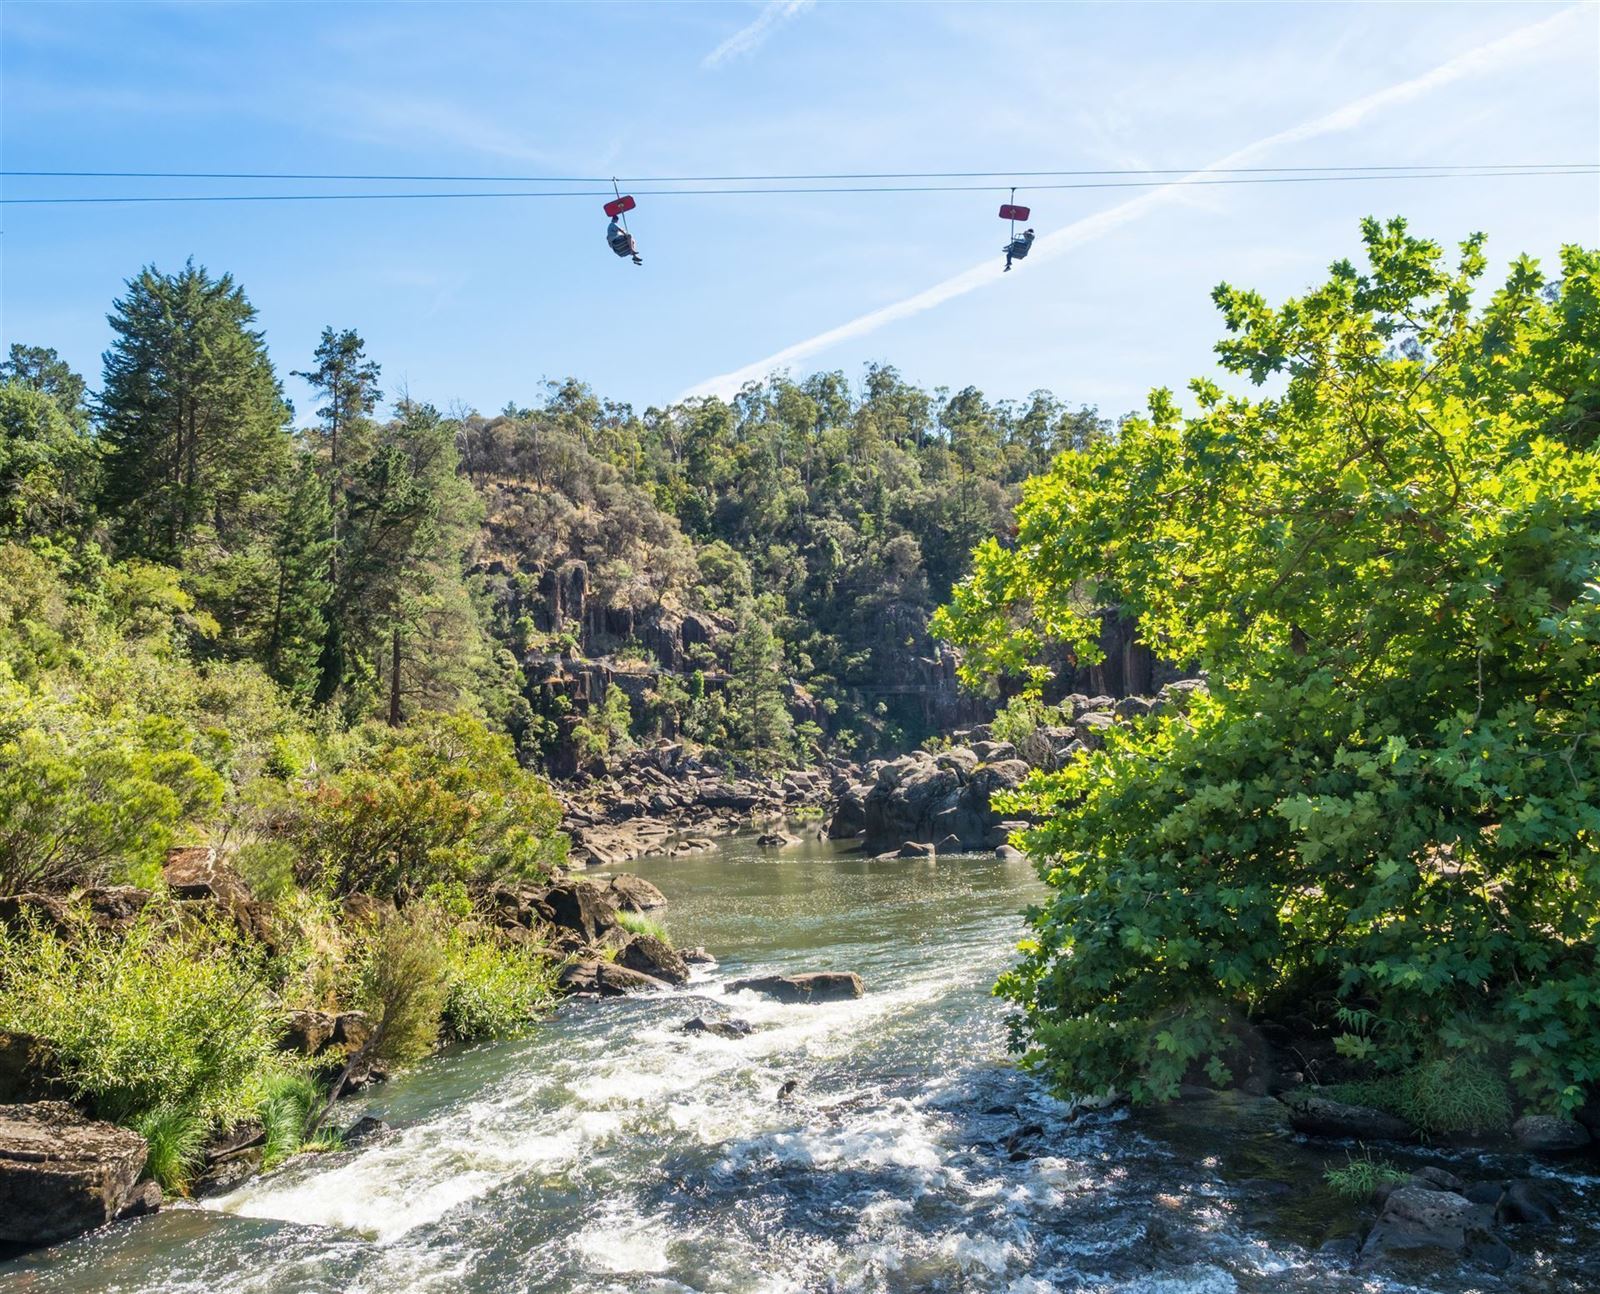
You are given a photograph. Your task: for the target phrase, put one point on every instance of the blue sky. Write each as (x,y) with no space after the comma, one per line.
(476,303)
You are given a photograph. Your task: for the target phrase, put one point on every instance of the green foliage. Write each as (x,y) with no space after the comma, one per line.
(173,1015)
(605,728)
(758,711)
(495,990)
(47,464)
(1360,1177)
(641,924)
(440,800)
(177,1139)
(286,1101)
(402,983)
(1388,801)
(1453,1094)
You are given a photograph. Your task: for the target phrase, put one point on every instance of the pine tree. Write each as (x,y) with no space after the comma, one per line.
(192,418)
(304,554)
(759,716)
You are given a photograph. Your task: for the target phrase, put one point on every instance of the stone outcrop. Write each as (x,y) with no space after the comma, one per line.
(1322,1116)
(607,979)
(817,986)
(946,798)
(1545,1134)
(654,957)
(62,1174)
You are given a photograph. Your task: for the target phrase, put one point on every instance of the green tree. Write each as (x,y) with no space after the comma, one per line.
(192,418)
(304,556)
(40,369)
(1387,804)
(757,691)
(48,465)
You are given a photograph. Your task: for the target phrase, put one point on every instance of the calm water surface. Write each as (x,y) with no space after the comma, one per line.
(612,1153)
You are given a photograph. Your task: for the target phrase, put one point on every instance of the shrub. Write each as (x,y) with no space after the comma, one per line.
(172,1015)
(1388,802)
(1455,1094)
(440,800)
(495,991)
(1360,1178)
(177,1139)
(640,924)
(285,1103)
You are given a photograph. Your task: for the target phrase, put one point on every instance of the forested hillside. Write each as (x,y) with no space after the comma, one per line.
(756,577)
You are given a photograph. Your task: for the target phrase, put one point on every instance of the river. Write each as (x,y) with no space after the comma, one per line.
(613,1153)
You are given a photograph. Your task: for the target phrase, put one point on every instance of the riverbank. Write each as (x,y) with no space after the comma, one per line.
(612,1151)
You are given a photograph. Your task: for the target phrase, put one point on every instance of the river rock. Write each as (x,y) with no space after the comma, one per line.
(776,840)
(1545,1134)
(62,1174)
(1420,1218)
(916,849)
(634,894)
(1528,1203)
(818,986)
(1321,1116)
(1010,854)
(656,957)
(697,956)
(729,1028)
(582,907)
(365,1128)
(607,979)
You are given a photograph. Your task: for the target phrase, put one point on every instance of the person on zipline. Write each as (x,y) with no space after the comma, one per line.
(1017,248)
(621,241)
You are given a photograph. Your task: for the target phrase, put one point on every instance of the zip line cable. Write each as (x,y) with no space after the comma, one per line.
(758,179)
(1566,169)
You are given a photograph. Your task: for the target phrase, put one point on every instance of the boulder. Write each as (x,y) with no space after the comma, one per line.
(365,1128)
(916,849)
(582,907)
(1545,1134)
(26,1070)
(143,1200)
(1321,1116)
(729,1028)
(62,1174)
(1419,1218)
(607,979)
(951,844)
(1528,1203)
(114,908)
(196,873)
(1010,854)
(48,910)
(306,1032)
(776,840)
(992,752)
(818,986)
(351,1029)
(697,956)
(634,893)
(958,759)
(654,957)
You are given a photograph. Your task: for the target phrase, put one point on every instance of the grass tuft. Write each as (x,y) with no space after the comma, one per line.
(640,924)
(177,1139)
(1359,1179)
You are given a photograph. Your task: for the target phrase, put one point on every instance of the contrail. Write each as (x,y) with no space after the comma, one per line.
(1092,227)
(748,38)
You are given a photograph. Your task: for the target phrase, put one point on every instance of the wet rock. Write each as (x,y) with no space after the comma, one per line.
(62,1174)
(1490,1252)
(1485,1192)
(916,849)
(1435,1178)
(1418,1218)
(1340,1249)
(607,979)
(849,818)
(245,1135)
(787,1090)
(1544,1134)
(776,840)
(143,1200)
(729,1028)
(1321,1116)
(1010,854)
(1529,1203)
(654,957)
(819,986)
(950,844)
(634,893)
(227,1175)
(363,1129)
(697,956)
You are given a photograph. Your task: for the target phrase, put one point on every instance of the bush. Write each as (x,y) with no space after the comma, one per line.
(495,991)
(285,1104)
(1388,801)
(1359,1179)
(1455,1094)
(640,924)
(438,801)
(177,1139)
(172,1014)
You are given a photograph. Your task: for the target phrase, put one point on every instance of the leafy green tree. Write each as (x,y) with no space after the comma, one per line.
(192,418)
(40,369)
(303,553)
(1387,804)
(48,465)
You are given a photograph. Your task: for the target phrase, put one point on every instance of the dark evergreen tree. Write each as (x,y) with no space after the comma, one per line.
(304,555)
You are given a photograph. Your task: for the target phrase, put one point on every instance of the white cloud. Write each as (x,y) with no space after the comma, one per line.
(747,39)
(1481,59)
